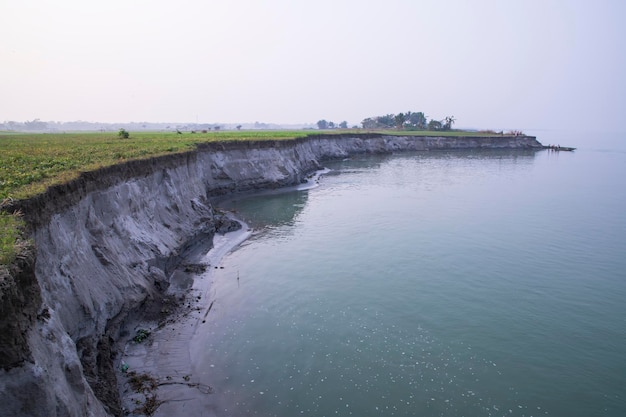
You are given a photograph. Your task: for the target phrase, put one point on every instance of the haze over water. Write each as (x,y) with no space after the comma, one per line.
(475,283)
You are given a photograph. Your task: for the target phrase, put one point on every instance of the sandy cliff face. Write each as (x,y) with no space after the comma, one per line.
(106,247)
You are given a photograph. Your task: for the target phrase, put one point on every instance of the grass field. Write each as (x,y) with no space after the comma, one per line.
(29,163)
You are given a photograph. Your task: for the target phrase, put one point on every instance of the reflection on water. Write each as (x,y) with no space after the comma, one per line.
(269,210)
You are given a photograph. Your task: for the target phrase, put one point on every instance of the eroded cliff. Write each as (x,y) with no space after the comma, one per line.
(107,243)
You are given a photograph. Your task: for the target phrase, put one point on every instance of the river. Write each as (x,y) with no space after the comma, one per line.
(448,283)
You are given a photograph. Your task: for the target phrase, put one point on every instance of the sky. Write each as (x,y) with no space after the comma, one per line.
(492,64)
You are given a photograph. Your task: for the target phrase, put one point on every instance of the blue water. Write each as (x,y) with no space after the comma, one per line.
(430,284)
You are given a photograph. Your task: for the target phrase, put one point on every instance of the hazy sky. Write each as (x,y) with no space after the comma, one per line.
(523,64)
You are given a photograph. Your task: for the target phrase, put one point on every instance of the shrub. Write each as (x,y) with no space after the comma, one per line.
(123,134)
(142,334)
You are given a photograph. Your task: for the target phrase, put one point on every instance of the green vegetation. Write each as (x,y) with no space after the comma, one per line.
(408,121)
(323,124)
(10,237)
(141,335)
(123,134)
(401,121)
(438,133)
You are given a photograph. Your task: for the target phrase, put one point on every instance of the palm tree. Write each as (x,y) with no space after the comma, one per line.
(448,122)
(400,119)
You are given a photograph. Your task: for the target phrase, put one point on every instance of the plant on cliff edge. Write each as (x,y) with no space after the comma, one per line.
(142,334)
(10,237)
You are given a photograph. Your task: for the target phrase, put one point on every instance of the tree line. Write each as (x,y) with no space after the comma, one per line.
(401,121)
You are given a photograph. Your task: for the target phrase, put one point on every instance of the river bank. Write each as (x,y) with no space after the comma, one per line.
(109,248)
(164,357)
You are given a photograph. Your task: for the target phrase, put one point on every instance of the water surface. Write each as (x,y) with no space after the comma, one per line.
(435,284)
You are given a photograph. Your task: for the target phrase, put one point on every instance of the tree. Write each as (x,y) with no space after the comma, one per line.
(123,134)
(416,120)
(36,124)
(380,122)
(434,125)
(409,120)
(343,125)
(331,125)
(322,124)
(399,119)
(386,121)
(448,122)
(369,123)
(238,127)
(12,125)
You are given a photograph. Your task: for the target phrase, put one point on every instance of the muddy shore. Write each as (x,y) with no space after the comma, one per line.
(162,359)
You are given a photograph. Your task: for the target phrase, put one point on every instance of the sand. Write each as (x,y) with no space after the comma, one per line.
(163,360)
